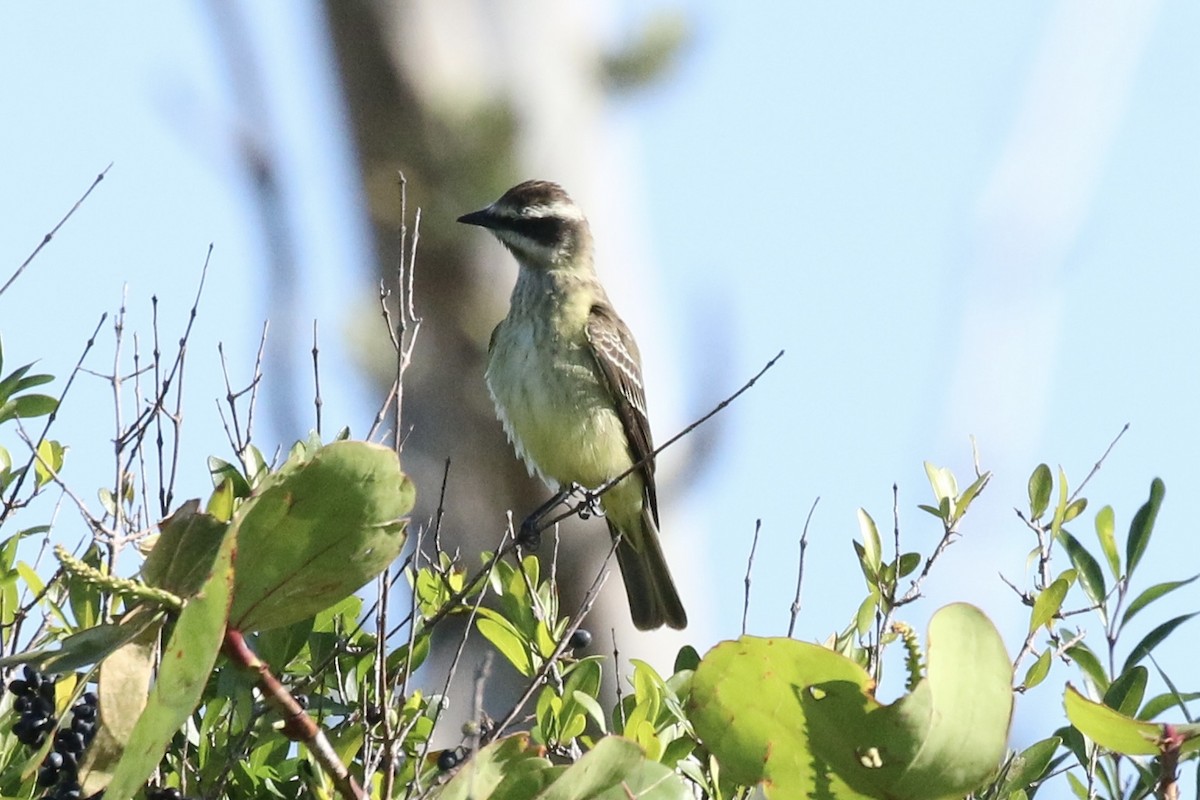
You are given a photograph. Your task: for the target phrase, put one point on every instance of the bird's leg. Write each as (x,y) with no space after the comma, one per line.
(530,534)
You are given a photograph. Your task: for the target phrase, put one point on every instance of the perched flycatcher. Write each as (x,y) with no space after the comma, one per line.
(566,377)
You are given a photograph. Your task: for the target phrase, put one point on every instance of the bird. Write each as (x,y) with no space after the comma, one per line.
(565,375)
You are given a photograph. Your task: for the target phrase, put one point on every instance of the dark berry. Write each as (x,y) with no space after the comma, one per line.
(44,706)
(373,715)
(68,741)
(32,676)
(22,704)
(71,792)
(90,698)
(448,760)
(20,688)
(83,711)
(47,776)
(70,761)
(54,760)
(46,690)
(580,639)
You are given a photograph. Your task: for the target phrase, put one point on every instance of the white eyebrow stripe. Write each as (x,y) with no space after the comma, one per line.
(560,209)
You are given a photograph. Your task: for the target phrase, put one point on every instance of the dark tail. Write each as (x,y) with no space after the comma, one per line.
(653,599)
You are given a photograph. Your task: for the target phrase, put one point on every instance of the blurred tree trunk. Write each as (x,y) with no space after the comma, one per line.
(466,99)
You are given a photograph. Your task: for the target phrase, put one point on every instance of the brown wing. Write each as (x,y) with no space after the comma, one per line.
(616,354)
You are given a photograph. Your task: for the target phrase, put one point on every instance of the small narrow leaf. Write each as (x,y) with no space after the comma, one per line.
(1143,525)
(872,551)
(1087,661)
(1126,692)
(1075,509)
(1105,526)
(1150,595)
(1047,604)
(1152,639)
(1091,577)
(1038,671)
(1040,483)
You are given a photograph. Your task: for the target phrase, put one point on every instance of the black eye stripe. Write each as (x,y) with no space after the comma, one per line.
(546,231)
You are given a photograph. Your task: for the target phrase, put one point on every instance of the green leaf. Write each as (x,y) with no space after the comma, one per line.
(1143,525)
(49,461)
(908,563)
(1126,692)
(1150,595)
(943,739)
(1153,639)
(686,659)
(187,663)
(181,560)
(1030,765)
(506,638)
(870,553)
(945,487)
(1105,526)
(1060,510)
(31,405)
(317,531)
(1075,509)
(745,708)
(804,719)
(1087,661)
(1167,700)
(615,769)
(971,492)
(1091,577)
(123,689)
(506,768)
(1109,728)
(1040,483)
(1038,670)
(1047,604)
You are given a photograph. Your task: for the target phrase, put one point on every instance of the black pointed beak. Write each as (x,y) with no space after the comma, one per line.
(483,218)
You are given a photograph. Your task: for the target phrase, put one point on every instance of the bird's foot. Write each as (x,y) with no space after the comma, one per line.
(529,535)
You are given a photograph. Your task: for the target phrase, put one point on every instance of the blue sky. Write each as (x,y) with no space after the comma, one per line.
(959,220)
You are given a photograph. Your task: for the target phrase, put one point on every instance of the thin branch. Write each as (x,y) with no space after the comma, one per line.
(592,496)
(749,567)
(53,231)
(316,379)
(1098,464)
(800,569)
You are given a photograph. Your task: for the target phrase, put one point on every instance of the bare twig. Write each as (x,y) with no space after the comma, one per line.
(800,568)
(46,239)
(317,381)
(1099,463)
(749,567)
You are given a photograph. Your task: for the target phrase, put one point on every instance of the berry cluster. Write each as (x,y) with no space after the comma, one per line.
(34,701)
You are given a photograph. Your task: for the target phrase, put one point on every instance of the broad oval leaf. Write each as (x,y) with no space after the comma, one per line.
(316,531)
(1040,484)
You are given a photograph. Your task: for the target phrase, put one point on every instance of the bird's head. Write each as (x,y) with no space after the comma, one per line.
(539,223)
